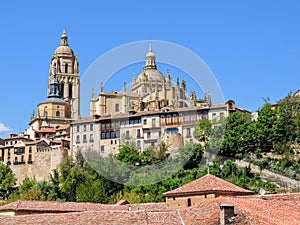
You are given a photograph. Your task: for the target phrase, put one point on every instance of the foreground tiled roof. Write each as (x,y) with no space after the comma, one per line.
(51,206)
(257,210)
(47,206)
(207,184)
(98,217)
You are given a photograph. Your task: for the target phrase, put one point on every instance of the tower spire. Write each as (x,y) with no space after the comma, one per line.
(64,39)
(150,59)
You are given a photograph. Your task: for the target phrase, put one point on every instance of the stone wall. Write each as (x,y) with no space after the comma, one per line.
(174,203)
(44,163)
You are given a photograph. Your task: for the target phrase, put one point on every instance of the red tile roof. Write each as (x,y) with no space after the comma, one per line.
(266,210)
(51,206)
(46,130)
(259,210)
(208,184)
(47,206)
(63,127)
(98,217)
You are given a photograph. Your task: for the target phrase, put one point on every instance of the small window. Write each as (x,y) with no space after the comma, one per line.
(148,134)
(30,149)
(145,121)
(127,133)
(117,108)
(189,202)
(84,127)
(84,138)
(66,68)
(91,127)
(62,90)
(77,139)
(91,137)
(138,133)
(77,128)
(188,132)
(57,114)
(29,158)
(70,91)
(46,114)
(174,198)
(102,149)
(153,122)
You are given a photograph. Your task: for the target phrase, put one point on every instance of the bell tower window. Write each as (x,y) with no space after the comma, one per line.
(66,68)
(70,90)
(57,114)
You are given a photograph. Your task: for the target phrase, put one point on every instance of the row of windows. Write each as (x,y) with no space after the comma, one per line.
(85,127)
(112,134)
(84,138)
(22,160)
(57,114)
(215,115)
(17,151)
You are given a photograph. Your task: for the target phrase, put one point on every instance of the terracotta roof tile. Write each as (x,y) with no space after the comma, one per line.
(207,184)
(258,210)
(47,206)
(63,127)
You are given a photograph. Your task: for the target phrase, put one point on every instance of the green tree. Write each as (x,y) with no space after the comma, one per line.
(266,128)
(289,119)
(202,130)
(92,190)
(237,135)
(7,180)
(129,155)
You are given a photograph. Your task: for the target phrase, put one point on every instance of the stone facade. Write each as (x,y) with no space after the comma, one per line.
(34,159)
(154,110)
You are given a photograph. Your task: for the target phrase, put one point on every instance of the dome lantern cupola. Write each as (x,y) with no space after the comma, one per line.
(150,59)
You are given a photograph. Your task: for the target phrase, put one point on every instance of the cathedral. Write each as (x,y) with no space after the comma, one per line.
(155,110)
(62,104)
(151,91)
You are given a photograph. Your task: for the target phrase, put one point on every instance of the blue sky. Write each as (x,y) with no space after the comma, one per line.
(252,47)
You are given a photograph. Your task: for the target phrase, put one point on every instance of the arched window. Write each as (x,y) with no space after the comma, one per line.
(189,202)
(57,114)
(66,68)
(117,108)
(45,113)
(70,90)
(62,90)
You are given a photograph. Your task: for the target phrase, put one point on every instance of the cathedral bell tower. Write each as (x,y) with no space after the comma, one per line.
(66,66)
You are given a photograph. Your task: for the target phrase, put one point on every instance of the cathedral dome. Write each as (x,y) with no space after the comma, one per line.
(64,50)
(151,75)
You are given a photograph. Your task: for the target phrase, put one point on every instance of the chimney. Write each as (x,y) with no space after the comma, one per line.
(226,214)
